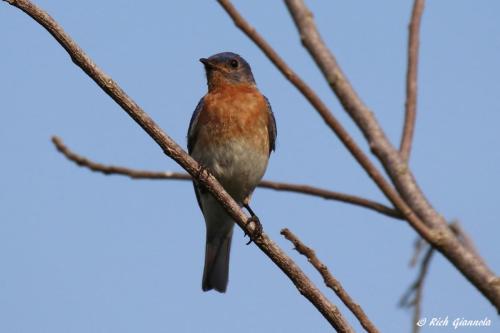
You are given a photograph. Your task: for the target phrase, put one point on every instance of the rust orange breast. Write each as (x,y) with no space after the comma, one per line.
(235,113)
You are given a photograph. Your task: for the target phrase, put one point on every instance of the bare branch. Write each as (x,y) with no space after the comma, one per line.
(363,117)
(440,237)
(330,281)
(331,195)
(329,119)
(464,238)
(411,79)
(472,267)
(278,186)
(413,296)
(174,151)
(115,170)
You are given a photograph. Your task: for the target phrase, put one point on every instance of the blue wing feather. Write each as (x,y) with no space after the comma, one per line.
(192,132)
(271,129)
(191,141)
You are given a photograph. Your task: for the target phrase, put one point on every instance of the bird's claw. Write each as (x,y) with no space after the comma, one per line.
(257,231)
(202,171)
(202,174)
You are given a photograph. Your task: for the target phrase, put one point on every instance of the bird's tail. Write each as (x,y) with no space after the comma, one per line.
(216,271)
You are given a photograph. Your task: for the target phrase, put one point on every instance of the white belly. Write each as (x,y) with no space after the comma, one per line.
(239,167)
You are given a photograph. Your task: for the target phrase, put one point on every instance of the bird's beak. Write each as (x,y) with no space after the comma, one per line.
(207,63)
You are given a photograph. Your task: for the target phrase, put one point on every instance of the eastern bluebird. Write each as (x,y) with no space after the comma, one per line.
(232,133)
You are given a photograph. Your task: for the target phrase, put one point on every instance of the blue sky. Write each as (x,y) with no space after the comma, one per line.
(81,252)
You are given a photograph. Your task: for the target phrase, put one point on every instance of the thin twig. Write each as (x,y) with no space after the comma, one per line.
(413,296)
(115,170)
(330,281)
(278,186)
(411,79)
(174,151)
(419,245)
(416,289)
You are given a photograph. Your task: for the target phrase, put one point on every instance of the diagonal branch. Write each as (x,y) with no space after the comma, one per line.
(440,237)
(278,186)
(330,281)
(411,79)
(359,112)
(464,238)
(329,119)
(174,151)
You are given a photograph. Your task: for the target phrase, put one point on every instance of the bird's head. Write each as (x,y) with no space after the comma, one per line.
(227,68)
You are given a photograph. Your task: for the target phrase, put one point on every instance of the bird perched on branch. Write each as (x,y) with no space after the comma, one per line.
(232,133)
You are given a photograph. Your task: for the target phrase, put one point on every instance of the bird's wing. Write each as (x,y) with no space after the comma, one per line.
(193,129)
(191,141)
(271,128)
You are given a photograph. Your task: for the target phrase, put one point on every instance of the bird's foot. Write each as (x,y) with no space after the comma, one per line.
(202,173)
(257,231)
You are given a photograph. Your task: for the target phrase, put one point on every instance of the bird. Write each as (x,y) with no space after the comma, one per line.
(231,134)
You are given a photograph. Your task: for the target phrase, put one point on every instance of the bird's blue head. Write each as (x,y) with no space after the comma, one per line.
(227,68)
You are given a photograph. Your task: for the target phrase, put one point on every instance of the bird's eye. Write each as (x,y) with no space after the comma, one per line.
(234,63)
